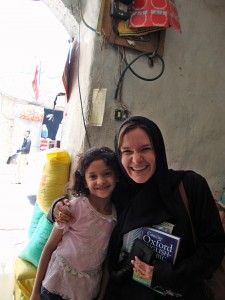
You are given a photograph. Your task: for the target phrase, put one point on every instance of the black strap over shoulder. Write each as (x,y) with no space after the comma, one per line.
(186,203)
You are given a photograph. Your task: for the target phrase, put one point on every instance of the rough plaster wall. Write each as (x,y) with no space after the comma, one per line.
(195,135)
(186,102)
(73,133)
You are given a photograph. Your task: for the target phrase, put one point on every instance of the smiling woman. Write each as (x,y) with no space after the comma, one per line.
(137,154)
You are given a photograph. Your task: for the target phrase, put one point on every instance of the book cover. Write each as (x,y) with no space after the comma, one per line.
(128,238)
(166,247)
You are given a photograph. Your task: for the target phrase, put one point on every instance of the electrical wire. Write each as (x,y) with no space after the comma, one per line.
(150,54)
(121,61)
(151,57)
(82,18)
(78,79)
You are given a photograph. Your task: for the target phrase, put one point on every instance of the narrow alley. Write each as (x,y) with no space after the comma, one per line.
(16,209)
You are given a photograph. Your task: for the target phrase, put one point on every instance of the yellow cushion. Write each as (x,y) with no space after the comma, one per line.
(24,273)
(54,177)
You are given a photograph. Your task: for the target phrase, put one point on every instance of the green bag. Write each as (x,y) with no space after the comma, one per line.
(33,249)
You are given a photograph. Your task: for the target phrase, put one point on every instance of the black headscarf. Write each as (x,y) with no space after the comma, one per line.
(156,139)
(149,203)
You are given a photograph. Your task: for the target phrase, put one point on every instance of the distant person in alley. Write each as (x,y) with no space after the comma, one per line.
(22,160)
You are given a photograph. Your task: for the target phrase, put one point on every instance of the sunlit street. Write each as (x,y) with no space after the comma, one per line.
(16,209)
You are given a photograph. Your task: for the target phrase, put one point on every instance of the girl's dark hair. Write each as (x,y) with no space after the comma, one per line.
(103,153)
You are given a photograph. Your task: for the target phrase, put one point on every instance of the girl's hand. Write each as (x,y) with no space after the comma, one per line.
(35,296)
(221,204)
(62,213)
(142,269)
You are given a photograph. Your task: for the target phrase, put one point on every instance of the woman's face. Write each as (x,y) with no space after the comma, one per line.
(137,155)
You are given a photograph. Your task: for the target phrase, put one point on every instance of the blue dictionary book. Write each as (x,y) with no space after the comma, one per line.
(166,247)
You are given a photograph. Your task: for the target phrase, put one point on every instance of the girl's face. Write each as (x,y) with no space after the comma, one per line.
(137,155)
(100,180)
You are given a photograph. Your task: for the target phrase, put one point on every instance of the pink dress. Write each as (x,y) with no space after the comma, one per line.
(75,269)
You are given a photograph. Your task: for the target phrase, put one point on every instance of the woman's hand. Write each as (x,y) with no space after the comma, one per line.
(62,213)
(142,269)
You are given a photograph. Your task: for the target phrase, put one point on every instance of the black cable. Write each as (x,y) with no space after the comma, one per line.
(78,78)
(151,56)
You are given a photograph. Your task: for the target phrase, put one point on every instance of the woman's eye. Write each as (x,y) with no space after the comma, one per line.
(147,149)
(126,152)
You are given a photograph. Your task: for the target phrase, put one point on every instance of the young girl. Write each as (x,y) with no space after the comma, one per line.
(71,263)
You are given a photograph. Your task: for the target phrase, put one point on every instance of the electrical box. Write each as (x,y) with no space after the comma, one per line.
(148,43)
(121,114)
(120,10)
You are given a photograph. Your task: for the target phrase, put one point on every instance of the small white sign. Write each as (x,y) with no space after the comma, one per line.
(97,107)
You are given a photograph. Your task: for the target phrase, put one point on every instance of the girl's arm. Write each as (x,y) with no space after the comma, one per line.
(52,243)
